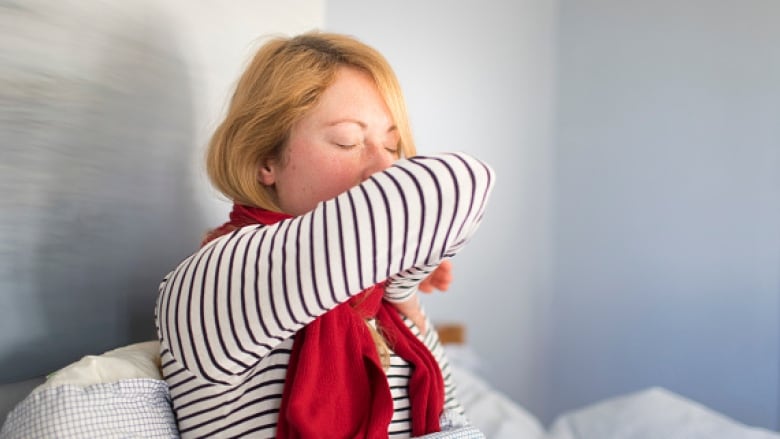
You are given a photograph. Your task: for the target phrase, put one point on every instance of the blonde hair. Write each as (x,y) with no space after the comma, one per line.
(284,80)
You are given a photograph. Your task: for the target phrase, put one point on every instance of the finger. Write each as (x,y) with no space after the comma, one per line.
(442,280)
(432,282)
(426,287)
(439,279)
(442,285)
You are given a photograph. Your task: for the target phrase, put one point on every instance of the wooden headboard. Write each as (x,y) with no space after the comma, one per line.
(451,333)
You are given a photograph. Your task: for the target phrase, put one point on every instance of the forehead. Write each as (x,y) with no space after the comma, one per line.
(353,94)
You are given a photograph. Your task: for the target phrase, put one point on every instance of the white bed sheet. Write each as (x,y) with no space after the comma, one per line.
(655,413)
(497,416)
(651,414)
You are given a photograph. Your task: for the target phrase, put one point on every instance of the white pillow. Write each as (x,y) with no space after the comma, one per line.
(651,414)
(140,360)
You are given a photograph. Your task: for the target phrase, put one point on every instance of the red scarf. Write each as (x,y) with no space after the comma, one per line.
(335,384)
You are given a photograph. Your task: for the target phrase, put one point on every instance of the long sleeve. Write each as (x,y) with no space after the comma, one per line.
(225,307)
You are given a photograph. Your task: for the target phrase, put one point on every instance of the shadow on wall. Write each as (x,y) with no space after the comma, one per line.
(96,122)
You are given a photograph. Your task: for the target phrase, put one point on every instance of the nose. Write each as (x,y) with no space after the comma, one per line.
(377,159)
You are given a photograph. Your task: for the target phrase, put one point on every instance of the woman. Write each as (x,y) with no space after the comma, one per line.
(286,323)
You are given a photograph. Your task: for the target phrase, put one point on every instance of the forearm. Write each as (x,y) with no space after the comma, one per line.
(472,183)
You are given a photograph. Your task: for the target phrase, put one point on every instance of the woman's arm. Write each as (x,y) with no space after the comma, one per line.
(225,307)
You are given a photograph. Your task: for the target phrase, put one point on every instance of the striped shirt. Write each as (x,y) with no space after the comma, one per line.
(227,315)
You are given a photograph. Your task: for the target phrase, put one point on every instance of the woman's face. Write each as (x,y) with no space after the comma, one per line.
(346,137)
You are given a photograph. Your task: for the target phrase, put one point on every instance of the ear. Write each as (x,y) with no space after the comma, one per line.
(266,174)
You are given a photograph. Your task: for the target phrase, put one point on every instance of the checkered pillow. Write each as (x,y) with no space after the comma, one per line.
(132,408)
(454,426)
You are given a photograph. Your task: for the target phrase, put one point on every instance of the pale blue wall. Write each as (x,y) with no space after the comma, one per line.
(667,224)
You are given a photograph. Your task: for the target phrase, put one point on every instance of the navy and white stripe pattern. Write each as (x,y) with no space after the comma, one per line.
(227,314)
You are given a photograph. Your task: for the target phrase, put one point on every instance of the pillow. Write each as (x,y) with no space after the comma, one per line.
(119,394)
(134,408)
(650,414)
(454,426)
(140,360)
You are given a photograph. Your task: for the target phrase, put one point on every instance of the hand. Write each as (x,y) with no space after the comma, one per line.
(440,279)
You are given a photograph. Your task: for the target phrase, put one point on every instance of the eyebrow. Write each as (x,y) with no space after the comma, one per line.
(358,122)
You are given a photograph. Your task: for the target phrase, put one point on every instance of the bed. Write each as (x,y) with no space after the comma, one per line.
(120,393)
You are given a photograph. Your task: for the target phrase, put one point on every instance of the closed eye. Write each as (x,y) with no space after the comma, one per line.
(393,147)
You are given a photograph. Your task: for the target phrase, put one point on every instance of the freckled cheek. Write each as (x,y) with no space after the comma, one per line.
(336,182)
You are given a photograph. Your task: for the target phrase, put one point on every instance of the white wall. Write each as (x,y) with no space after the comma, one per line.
(216,41)
(478,78)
